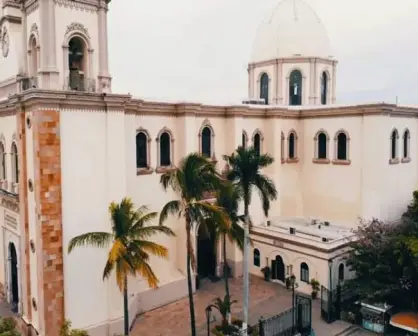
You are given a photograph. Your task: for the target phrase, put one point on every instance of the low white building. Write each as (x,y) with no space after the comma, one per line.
(306,248)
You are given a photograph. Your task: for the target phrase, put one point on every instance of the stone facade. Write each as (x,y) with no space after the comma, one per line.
(48,195)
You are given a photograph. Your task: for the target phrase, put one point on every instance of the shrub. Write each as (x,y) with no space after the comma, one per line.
(67,331)
(8,327)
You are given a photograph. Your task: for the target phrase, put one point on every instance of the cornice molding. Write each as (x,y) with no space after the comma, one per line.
(292,60)
(34,99)
(81,5)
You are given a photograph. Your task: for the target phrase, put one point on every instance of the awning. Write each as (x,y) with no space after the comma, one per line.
(406,321)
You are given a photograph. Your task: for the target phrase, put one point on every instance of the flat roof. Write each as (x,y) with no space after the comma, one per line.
(309,231)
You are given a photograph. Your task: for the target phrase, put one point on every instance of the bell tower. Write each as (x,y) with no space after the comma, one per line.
(65,45)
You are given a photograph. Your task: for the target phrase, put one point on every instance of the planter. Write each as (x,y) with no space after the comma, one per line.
(267,272)
(314,295)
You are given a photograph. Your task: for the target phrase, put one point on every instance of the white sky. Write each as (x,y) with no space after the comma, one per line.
(198,50)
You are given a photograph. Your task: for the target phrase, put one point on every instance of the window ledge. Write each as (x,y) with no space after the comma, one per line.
(294,160)
(393,161)
(406,160)
(341,162)
(164,169)
(144,171)
(321,161)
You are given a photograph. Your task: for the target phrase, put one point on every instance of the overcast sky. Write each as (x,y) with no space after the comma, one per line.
(198,50)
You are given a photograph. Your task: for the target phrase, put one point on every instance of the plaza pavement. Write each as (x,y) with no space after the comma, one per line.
(266,299)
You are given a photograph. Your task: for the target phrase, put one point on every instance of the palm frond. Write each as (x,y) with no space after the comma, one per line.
(152,248)
(108,269)
(145,270)
(171,208)
(117,250)
(267,191)
(143,219)
(170,180)
(95,239)
(149,231)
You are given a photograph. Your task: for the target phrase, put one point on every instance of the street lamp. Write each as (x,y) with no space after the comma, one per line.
(330,291)
(208,311)
(245,273)
(294,286)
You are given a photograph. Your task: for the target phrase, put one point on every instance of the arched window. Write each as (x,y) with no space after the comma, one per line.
(282,147)
(304,272)
(206,148)
(292,145)
(165,150)
(264,87)
(244,140)
(15,164)
(341,272)
(257,143)
(322,146)
(2,162)
(394,144)
(295,88)
(34,57)
(324,88)
(141,150)
(256,257)
(342,146)
(406,141)
(78,64)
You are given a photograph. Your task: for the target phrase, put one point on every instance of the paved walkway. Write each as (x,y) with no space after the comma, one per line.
(266,299)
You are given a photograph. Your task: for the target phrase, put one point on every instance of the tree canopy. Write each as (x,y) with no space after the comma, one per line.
(385,260)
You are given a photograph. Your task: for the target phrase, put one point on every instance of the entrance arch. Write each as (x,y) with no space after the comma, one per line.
(14,276)
(206,252)
(278,269)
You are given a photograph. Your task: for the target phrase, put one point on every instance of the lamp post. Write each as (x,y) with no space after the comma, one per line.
(208,311)
(330,291)
(245,275)
(294,286)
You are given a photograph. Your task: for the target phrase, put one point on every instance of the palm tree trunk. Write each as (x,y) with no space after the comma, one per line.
(225,266)
(189,278)
(125,306)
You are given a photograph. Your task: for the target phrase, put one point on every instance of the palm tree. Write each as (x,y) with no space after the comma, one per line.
(130,250)
(191,181)
(245,173)
(228,199)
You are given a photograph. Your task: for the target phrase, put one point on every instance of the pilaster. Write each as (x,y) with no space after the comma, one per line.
(104,78)
(47,165)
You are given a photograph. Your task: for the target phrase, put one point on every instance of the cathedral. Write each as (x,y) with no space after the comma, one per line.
(69,146)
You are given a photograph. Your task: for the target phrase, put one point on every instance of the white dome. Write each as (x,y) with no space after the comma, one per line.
(292,30)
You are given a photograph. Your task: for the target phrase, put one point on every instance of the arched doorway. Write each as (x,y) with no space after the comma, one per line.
(14,276)
(278,269)
(206,252)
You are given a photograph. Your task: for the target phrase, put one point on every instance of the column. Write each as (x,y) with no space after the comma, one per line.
(311,82)
(48,71)
(24,55)
(315,82)
(334,82)
(104,76)
(280,82)
(276,83)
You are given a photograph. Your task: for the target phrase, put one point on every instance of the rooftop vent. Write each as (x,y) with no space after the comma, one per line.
(292,230)
(324,240)
(268,223)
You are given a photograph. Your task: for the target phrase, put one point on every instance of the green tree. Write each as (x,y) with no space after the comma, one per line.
(130,248)
(191,181)
(385,268)
(245,172)
(410,221)
(67,331)
(224,307)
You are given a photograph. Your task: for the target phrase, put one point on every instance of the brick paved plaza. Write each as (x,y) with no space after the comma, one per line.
(266,299)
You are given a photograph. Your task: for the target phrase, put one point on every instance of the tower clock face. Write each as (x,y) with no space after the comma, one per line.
(5,44)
